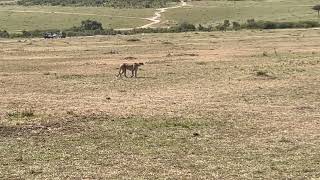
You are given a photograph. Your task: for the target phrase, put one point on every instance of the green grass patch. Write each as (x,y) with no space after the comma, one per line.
(214,12)
(16,18)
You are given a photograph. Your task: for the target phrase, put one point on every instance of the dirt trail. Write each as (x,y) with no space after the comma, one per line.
(157,15)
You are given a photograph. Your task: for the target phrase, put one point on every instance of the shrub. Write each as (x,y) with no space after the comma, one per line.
(4,34)
(133,39)
(91,25)
(284,25)
(26,33)
(63,35)
(269,25)
(21,114)
(201,28)
(90,28)
(220,27)
(184,27)
(309,24)
(264,54)
(262,73)
(236,26)
(316,8)
(224,26)
(226,23)
(251,24)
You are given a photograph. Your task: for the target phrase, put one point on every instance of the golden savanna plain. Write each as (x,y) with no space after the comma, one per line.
(217,105)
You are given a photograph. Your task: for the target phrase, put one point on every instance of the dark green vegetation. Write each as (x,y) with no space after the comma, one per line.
(4,34)
(91,27)
(317,8)
(108,3)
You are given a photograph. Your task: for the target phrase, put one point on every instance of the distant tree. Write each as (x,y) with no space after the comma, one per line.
(63,34)
(4,34)
(236,26)
(220,27)
(251,24)
(201,28)
(183,27)
(316,8)
(224,26)
(226,23)
(91,25)
(26,33)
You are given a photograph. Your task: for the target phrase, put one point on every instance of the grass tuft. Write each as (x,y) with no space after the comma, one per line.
(26,113)
(262,73)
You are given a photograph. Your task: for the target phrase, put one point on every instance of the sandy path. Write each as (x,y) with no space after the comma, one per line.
(157,15)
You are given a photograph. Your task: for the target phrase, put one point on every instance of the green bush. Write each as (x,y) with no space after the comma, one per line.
(4,34)
(184,27)
(25,113)
(236,26)
(223,27)
(91,27)
(252,24)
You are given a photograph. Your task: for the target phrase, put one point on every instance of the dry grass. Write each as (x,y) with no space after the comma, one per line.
(214,108)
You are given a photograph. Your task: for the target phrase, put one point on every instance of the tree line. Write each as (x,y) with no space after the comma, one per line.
(91,27)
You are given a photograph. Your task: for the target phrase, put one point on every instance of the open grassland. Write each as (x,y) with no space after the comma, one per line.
(209,12)
(234,105)
(15,18)
(18,18)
